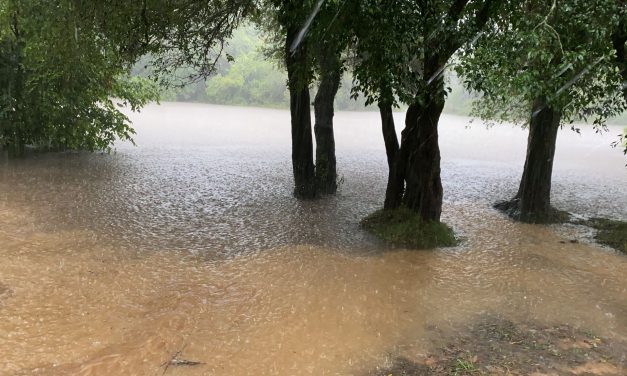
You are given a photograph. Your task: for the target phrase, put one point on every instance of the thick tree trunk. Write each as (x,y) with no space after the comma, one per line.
(534,192)
(423,191)
(532,203)
(396,182)
(619,38)
(326,171)
(302,143)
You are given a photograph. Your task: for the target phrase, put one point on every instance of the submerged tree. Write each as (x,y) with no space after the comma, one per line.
(312,36)
(287,18)
(547,65)
(382,49)
(407,60)
(328,38)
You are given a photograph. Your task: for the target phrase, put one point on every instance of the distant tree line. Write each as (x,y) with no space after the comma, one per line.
(251,79)
(247,77)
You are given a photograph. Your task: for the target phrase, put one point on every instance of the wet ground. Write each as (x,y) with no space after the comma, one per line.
(493,346)
(190,247)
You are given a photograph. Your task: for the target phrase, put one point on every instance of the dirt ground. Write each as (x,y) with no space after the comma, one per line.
(499,347)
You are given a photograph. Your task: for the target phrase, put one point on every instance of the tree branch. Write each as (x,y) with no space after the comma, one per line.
(483,15)
(456,9)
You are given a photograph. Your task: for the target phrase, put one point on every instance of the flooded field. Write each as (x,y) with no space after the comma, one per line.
(190,247)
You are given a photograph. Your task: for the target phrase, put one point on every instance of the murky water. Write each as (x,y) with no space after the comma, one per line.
(191,242)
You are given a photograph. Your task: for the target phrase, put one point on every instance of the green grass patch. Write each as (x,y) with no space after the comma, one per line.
(610,232)
(464,367)
(405,228)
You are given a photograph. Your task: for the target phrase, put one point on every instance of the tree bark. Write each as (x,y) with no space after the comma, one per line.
(326,170)
(302,143)
(619,38)
(532,203)
(423,191)
(534,193)
(396,181)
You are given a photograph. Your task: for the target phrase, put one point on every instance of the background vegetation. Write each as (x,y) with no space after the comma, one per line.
(246,77)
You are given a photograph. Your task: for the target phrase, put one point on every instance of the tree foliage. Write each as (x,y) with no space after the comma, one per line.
(401,49)
(175,34)
(64,62)
(248,76)
(558,51)
(61,78)
(383,48)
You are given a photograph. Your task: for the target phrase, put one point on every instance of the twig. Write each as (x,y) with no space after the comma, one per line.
(545,23)
(167,363)
(176,362)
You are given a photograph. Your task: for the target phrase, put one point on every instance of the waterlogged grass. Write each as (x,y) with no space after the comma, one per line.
(464,367)
(610,232)
(405,228)
(491,345)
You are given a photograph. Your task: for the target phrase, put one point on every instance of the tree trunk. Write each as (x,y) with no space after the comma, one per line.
(532,203)
(619,38)
(396,181)
(423,191)
(302,144)
(326,171)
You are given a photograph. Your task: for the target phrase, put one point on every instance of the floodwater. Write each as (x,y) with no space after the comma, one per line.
(191,244)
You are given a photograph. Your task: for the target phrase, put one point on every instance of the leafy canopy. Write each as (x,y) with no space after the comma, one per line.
(560,52)
(60,77)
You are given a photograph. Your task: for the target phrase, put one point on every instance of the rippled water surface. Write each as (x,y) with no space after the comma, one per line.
(192,242)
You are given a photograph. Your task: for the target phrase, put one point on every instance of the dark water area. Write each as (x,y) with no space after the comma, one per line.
(111,263)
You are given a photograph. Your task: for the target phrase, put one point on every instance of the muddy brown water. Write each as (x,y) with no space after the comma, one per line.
(191,243)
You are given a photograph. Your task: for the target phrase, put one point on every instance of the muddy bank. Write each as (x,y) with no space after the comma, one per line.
(495,346)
